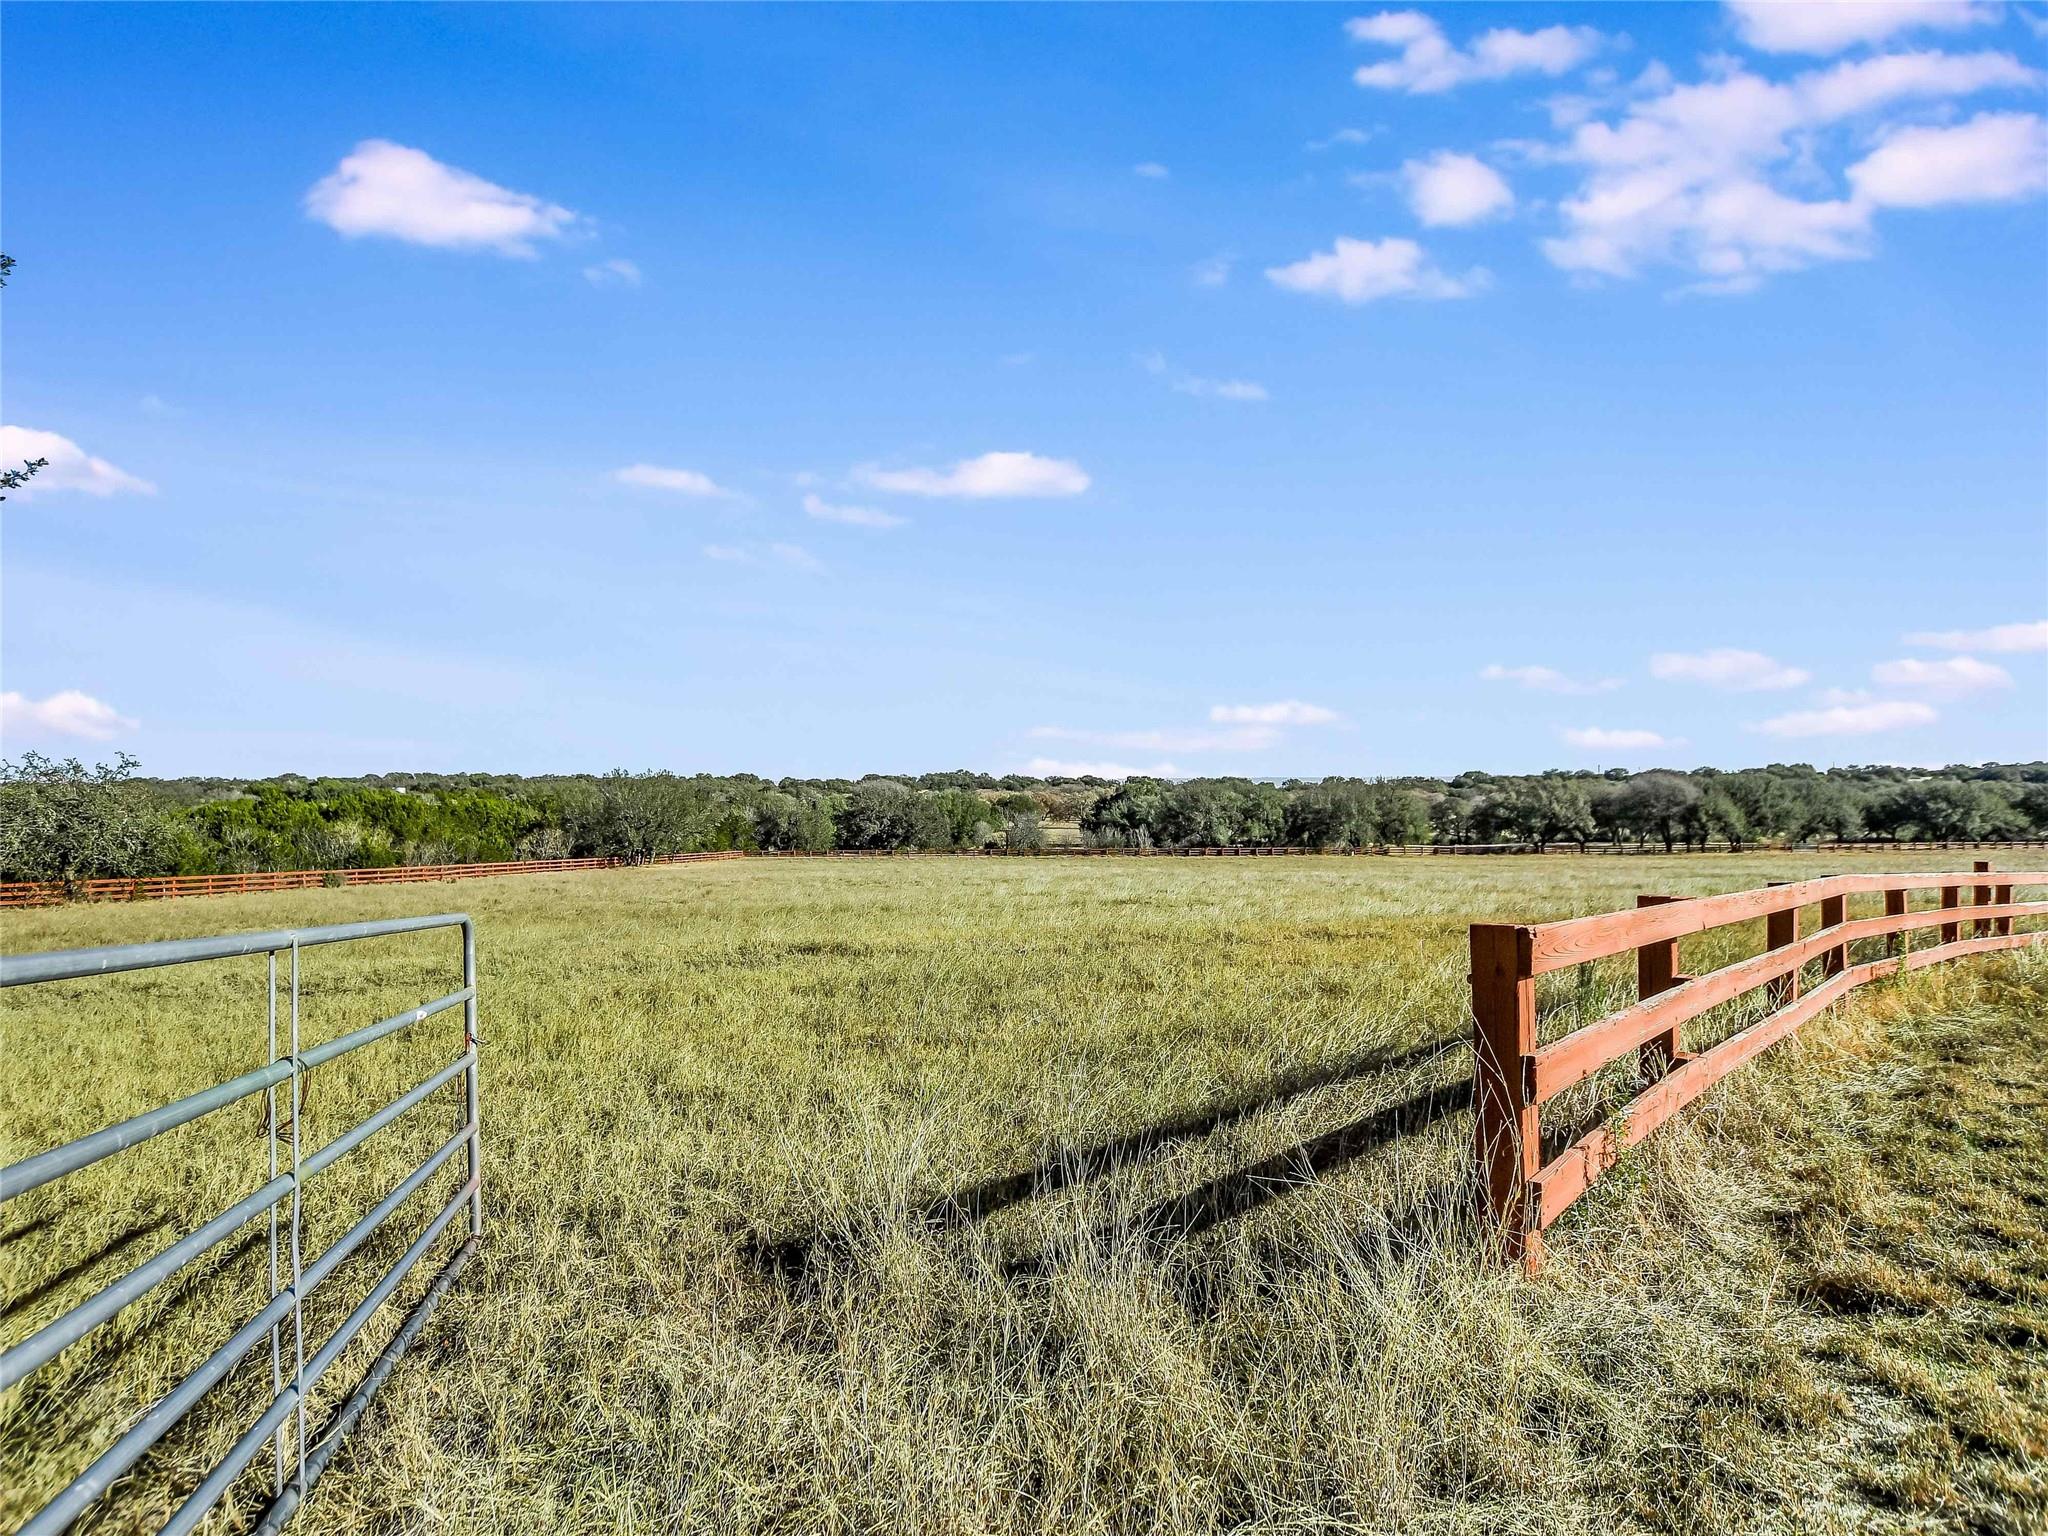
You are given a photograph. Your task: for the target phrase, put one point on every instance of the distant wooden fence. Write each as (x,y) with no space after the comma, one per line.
(47,893)
(1515,1076)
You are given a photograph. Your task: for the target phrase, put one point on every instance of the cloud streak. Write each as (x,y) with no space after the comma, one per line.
(991,477)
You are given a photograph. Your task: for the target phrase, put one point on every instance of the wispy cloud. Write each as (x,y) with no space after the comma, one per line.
(1283,712)
(382,188)
(1212,271)
(992,476)
(1950,677)
(1428,62)
(70,467)
(1360,271)
(1733,670)
(684,482)
(1155,364)
(859,517)
(1151,170)
(1342,136)
(67,713)
(616,273)
(2000,638)
(1547,680)
(1851,719)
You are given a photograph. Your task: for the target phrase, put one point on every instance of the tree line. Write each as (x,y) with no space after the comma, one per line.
(62,820)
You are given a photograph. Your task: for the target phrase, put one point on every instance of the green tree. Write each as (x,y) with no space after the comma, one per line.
(60,820)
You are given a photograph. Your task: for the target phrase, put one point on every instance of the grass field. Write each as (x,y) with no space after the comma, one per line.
(1025,1196)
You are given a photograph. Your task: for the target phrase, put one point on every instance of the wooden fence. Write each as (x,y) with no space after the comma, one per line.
(46,893)
(1516,1076)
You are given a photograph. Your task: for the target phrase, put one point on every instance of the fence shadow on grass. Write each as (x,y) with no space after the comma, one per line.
(1234,1194)
(121,1240)
(790,1259)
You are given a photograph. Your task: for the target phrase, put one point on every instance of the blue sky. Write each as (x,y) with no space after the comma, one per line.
(1268,390)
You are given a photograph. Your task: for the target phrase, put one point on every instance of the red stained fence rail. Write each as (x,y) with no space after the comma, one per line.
(1516,1076)
(51,892)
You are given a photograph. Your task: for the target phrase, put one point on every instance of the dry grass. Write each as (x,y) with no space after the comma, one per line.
(1115,1196)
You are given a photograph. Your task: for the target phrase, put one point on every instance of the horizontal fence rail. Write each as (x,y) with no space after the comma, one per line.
(1516,1075)
(296,1366)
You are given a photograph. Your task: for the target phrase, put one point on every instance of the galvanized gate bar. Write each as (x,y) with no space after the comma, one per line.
(71,964)
(287,1302)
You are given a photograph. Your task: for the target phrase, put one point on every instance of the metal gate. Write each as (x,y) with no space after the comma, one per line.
(297,1364)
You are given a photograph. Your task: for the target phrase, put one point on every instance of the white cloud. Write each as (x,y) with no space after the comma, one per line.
(1284,712)
(1546,680)
(1947,678)
(1850,719)
(1189,384)
(616,273)
(1429,62)
(1829,26)
(1212,271)
(1060,768)
(68,713)
(2031,636)
(859,517)
(792,555)
(1690,175)
(1996,157)
(381,188)
(1736,671)
(1451,189)
(1359,271)
(1596,738)
(684,482)
(1151,170)
(70,467)
(1341,136)
(992,476)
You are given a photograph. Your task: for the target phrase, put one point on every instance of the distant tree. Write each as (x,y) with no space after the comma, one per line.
(1547,810)
(878,814)
(1389,815)
(1655,806)
(1717,816)
(60,820)
(1129,815)
(1948,809)
(1766,802)
(1022,831)
(1828,809)
(1450,820)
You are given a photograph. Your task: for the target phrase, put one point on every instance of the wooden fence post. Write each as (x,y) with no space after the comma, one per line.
(1780,929)
(2003,896)
(1507,1138)
(1951,898)
(1657,971)
(1895,906)
(1982,896)
(1834,911)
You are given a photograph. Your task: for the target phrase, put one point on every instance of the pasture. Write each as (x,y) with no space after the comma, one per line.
(1099,1196)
